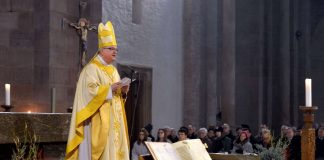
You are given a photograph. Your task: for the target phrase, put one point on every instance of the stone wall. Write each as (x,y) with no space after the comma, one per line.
(64,57)
(39,51)
(17,49)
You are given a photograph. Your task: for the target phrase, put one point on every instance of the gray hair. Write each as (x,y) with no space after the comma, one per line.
(203,130)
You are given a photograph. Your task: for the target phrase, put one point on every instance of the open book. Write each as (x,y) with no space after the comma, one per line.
(183,150)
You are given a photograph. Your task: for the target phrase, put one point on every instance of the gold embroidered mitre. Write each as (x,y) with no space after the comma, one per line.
(106,35)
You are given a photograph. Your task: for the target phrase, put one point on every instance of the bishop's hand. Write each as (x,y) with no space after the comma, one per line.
(125,89)
(115,87)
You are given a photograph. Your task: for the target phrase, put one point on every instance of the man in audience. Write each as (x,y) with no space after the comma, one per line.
(294,147)
(149,128)
(320,144)
(227,132)
(221,143)
(183,133)
(191,132)
(211,133)
(290,133)
(173,137)
(202,133)
(168,132)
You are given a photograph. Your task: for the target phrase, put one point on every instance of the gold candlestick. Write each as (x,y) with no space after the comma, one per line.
(308,133)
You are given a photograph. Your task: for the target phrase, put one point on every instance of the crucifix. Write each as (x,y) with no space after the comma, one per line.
(82,27)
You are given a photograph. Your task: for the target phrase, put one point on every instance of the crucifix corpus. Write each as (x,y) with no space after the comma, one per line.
(82,27)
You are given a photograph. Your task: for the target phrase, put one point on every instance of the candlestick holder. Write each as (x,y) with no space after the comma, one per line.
(7,107)
(308,133)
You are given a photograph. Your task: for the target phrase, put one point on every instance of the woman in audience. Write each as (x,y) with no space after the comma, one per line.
(242,144)
(139,147)
(161,136)
(266,138)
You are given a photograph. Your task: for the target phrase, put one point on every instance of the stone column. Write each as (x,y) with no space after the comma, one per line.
(194,66)
(281,62)
(212,107)
(284,58)
(227,63)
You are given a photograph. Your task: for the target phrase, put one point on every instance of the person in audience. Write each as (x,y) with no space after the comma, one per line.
(238,131)
(173,137)
(202,133)
(167,131)
(294,147)
(161,136)
(149,128)
(191,132)
(183,133)
(259,136)
(221,143)
(320,144)
(242,144)
(266,138)
(228,132)
(211,133)
(290,133)
(251,138)
(282,136)
(281,140)
(139,147)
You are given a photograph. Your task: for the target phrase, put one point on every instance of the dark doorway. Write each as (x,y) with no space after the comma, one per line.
(139,98)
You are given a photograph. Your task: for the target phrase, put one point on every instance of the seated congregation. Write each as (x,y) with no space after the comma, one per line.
(222,139)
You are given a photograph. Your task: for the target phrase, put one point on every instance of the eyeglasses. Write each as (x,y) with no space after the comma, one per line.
(160,132)
(111,48)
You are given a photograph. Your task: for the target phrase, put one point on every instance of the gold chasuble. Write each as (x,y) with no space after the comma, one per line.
(105,117)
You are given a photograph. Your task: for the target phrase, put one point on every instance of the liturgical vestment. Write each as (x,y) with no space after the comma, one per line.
(98,128)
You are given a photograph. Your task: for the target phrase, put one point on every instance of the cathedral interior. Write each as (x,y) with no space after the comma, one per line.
(198,62)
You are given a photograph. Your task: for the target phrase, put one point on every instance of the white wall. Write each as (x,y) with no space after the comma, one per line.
(157,43)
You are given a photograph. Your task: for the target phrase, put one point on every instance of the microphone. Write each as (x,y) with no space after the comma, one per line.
(134,71)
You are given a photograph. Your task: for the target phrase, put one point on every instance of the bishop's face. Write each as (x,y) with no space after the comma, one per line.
(109,54)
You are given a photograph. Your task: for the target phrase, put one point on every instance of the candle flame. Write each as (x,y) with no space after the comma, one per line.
(28,111)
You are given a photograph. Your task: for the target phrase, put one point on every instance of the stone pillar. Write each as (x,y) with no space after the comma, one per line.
(284,59)
(227,63)
(281,66)
(212,107)
(249,62)
(194,104)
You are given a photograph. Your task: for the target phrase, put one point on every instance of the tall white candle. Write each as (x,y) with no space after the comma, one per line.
(7,94)
(308,92)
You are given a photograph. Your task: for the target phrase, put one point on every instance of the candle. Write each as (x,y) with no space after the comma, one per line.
(7,94)
(308,90)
